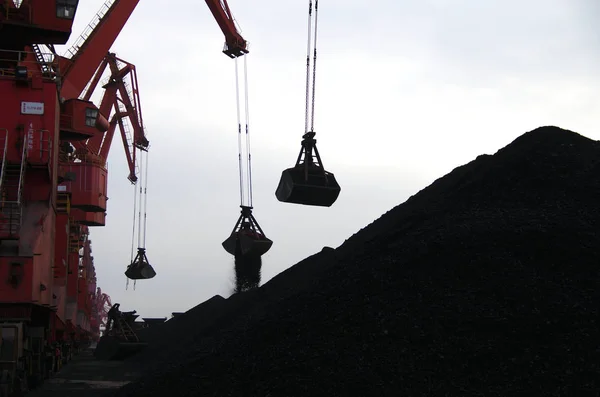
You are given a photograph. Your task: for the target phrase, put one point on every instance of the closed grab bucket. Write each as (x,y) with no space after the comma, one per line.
(140,268)
(247,243)
(316,187)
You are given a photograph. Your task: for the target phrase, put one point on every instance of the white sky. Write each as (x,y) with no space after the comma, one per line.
(406,91)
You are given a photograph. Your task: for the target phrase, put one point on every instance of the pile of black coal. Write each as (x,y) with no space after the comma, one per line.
(484,283)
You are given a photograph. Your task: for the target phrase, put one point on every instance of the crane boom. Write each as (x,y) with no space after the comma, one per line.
(235,45)
(96,41)
(91,47)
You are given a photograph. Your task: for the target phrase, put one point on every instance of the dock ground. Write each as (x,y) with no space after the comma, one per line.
(85,376)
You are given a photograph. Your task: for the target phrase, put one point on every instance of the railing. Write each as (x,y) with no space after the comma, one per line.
(89,29)
(15,14)
(10,221)
(45,143)
(22,173)
(3,131)
(10,211)
(134,97)
(12,57)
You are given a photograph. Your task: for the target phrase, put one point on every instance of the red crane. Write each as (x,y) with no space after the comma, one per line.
(101,306)
(88,52)
(247,237)
(121,94)
(235,45)
(47,266)
(53,177)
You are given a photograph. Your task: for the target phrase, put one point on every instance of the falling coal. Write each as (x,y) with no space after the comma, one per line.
(247,272)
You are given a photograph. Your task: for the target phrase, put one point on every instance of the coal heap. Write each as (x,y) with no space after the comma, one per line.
(484,283)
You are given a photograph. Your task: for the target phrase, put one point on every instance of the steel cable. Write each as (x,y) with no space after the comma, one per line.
(308,65)
(237,102)
(312,121)
(145,198)
(248,132)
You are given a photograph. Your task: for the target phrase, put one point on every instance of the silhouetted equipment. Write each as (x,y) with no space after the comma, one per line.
(308,183)
(120,339)
(140,268)
(247,237)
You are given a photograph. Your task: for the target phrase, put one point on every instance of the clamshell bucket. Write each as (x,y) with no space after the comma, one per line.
(253,245)
(308,187)
(308,183)
(140,268)
(247,244)
(247,238)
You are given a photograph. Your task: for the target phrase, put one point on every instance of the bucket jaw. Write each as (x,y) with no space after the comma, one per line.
(140,268)
(247,237)
(307,183)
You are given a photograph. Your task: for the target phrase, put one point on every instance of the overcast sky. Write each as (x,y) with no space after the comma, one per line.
(406,91)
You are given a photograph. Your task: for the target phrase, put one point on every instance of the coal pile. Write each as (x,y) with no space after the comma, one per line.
(484,283)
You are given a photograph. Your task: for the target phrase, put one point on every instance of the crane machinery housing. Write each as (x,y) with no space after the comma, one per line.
(54,143)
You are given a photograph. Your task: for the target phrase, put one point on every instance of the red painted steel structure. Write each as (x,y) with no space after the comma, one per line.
(54,143)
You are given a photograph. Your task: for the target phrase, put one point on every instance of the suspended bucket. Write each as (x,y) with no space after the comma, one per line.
(308,183)
(247,243)
(247,238)
(231,243)
(252,245)
(140,268)
(316,187)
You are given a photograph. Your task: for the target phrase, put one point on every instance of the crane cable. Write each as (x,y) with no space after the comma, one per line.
(311,114)
(312,120)
(247,129)
(306,115)
(132,231)
(237,97)
(248,133)
(145,199)
(143,194)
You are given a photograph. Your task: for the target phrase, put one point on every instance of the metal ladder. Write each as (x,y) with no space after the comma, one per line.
(126,330)
(72,52)
(3,142)
(130,144)
(40,58)
(13,179)
(63,204)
